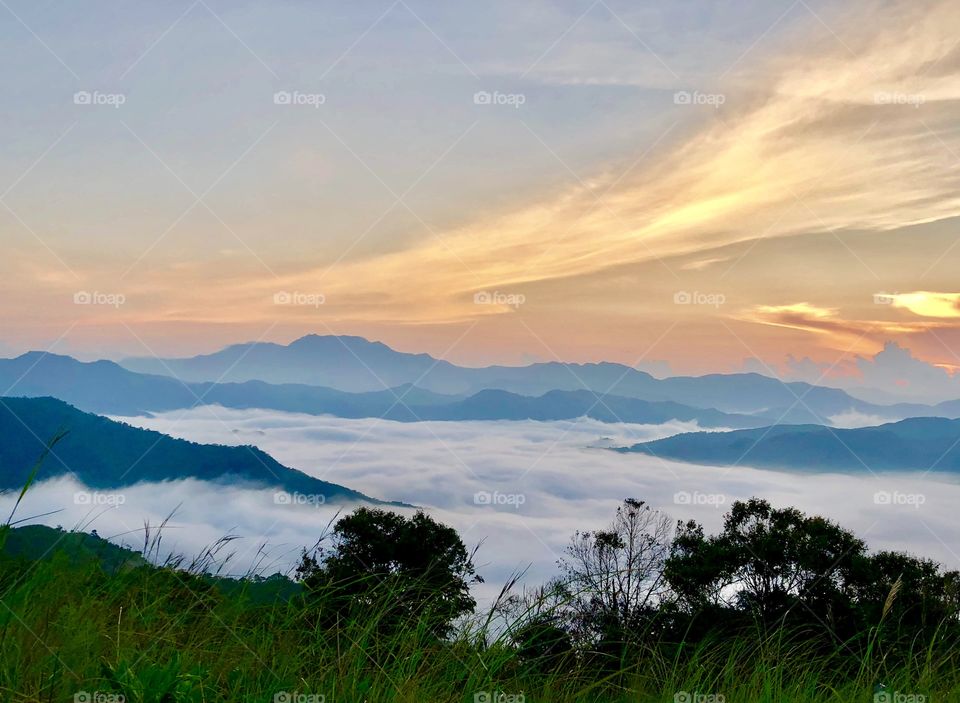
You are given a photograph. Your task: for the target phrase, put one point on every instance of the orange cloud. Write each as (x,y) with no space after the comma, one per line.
(928,304)
(828,321)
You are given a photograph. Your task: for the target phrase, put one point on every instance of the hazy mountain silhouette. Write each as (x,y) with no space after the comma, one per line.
(567,405)
(354,364)
(105,454)
(106,388)
(923,443)
(345,363)
(97,386)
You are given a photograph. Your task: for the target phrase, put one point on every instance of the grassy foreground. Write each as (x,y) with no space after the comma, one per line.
(93,623)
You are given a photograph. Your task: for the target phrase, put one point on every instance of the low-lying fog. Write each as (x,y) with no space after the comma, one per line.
(518,488)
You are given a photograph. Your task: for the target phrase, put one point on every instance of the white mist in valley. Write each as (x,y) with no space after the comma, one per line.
(516,489)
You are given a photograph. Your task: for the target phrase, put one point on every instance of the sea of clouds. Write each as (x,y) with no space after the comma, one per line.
(516,489)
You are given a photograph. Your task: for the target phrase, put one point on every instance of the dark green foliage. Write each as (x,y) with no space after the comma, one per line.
(421,565)
(544,644)
(36,542)
(155,683)
(778,606)
(773,557)
(778,568)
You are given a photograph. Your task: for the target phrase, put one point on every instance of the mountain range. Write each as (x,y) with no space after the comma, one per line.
(107,388)
(355,365)
(915,444)
(771,424)
(105,454)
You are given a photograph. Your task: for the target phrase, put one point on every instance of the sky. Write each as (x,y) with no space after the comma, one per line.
(769,185)
(525,469)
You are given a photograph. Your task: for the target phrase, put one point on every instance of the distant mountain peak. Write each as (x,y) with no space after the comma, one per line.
(314,338)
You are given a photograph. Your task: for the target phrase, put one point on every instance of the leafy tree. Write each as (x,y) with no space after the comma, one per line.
(901,593)
(768,561)
(401,569)
(778,566)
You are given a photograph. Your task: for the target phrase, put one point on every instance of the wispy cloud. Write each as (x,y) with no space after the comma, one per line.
(829,321)
(852,131)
